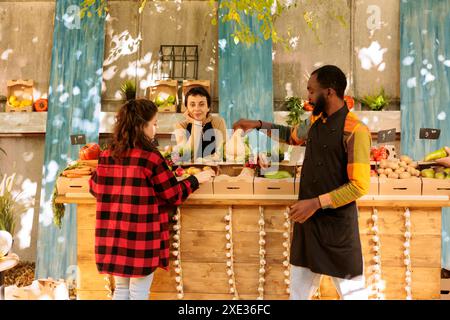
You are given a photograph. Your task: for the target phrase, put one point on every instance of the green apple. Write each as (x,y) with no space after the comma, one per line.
(439,175)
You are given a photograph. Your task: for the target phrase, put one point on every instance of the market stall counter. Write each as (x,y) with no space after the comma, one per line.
(237,247)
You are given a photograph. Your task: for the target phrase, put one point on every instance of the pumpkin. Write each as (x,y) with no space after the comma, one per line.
(307,106)
(41,105)
(90,151)
(350,102)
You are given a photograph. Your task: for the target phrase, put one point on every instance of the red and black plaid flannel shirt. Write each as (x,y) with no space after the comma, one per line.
(132,226)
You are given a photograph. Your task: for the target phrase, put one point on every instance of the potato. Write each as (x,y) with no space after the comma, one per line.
(405,175)
(417,173)
(406,159)
(380,171)
(414,164)
(393,175)
(393,165)
(388,171)
(402,164)
(383,163)
(400,170)
(383,175)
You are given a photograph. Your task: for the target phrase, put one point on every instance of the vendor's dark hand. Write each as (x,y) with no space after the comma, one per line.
(246,124)
(304,209)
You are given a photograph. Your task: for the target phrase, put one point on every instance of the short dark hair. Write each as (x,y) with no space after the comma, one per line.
(331,77)
(198,91)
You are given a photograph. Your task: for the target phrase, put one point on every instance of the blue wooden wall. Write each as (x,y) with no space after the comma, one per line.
(425,83)
(74,108)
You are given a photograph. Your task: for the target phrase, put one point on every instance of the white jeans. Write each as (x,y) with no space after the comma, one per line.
(304,284)
(132,288)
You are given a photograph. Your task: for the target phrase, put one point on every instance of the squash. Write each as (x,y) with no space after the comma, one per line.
(41,105)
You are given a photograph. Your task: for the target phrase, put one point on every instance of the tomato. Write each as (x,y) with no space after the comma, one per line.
(90,151)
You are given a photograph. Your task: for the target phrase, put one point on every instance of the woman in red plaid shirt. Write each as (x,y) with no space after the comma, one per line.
(132,185)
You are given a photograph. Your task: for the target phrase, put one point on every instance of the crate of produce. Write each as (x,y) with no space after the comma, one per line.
(72,185)
(185,170)
(436,181)
(233,179)
(278,179)
(165,95)
(19,96)
(189,84)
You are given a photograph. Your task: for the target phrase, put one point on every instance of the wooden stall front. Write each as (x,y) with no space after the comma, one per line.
(203,248)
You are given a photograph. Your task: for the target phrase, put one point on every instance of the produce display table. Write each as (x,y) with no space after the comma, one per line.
(202,247)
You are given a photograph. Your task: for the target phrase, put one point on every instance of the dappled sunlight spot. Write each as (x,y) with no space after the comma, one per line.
(273,55)
(407,61)
(122,45)
(382,66)
(412,82)
(222,44)
(58,121)
(60,88)
(61,240)
(64,97)
(365,120)
(372,56)
(28,156)
(293,42)
(46,215)
(6,54)
(23,236)
(289,91)
(76,91)
(375,119)
(441,58)
(52,171)
(78,54)
(429,66)
(159,7)
(447,63)
(118,95)
(442,116)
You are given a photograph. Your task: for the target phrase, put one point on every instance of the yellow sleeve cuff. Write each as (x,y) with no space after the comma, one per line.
(325,201)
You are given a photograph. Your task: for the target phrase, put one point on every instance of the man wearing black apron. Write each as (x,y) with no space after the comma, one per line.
(335,172)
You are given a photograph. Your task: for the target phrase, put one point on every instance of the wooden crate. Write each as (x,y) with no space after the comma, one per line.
(189,84)
(22,89)
(435,187)
(374,185)
(297,186)
(233,185)
(72,185)
(445,289)
(164,87)
(400,187)
(263,186)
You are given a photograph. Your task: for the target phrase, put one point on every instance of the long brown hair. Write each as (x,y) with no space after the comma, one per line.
(128,131)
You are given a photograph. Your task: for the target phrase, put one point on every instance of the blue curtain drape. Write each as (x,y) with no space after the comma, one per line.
(74,108)
(425,83)
(245,77)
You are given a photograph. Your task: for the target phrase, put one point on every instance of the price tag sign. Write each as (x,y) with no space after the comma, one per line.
(429,133)
(78,139)
(386,135)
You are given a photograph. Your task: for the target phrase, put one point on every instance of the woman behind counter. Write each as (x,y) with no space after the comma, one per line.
(203,133)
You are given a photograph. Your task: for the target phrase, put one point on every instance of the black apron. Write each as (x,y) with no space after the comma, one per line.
(328,242)
(208,141)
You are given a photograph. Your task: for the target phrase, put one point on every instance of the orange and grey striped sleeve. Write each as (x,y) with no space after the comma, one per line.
(357,140)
